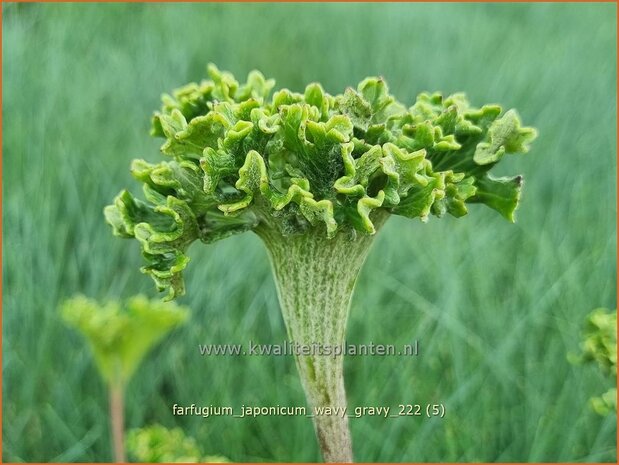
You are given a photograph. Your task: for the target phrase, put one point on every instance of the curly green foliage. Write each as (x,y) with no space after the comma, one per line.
(121,334)
(599,343)
(599,346)
(294,163)
(606,403)
(157,444)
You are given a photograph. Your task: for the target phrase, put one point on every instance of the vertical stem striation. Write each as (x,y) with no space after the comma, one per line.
(315,278)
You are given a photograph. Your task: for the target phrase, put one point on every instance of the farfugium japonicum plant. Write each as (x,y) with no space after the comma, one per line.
(120,335)
(157,444)
(315,176)
(599,347)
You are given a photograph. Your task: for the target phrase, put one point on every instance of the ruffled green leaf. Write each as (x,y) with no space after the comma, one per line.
(320,212)
(599,347)
(599,343)
(500,194)
(165,231)
(365,206)
(157,444)
(421,197)
(505,135)
(252,180)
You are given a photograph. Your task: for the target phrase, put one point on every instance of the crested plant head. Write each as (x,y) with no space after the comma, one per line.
(240,157)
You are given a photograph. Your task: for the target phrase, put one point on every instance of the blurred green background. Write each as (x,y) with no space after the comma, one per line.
(496,307)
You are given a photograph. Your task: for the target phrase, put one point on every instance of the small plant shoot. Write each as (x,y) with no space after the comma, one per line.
(120,335)
(158,444)
(315,176)
(599,347)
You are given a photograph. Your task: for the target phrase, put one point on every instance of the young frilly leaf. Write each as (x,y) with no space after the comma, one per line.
(501,194)
(421,197)
(236,134)
(356,108)
(599,342)
(358,171)
(298,190)
(204,131)
(383,105)
(268,124)
(606,403)
(599,347)
(319,212)
(316,96)
(216,165)
(127,212)
(403,171)
(457,191)
(164,250)
(505,135)
(188,140)
(313,147)
(285,97)
(349,184)
(183,180)
(216,225)
(257,87)
(252,179)
(365,205)
(120,334)
(191,100)
(157,444)
(224,84)
(165,231)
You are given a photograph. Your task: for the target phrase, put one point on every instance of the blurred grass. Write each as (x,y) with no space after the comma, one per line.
(496,307)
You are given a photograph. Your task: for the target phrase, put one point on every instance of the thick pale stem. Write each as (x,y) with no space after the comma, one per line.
(315,278)
(117,421)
